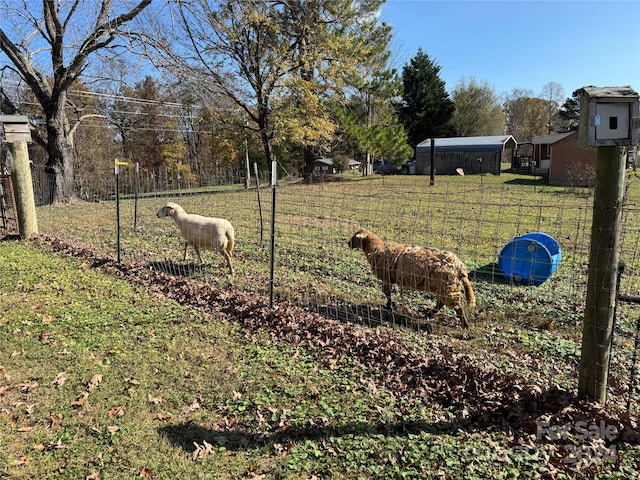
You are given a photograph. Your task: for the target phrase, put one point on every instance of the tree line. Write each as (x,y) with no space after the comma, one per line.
(191,88)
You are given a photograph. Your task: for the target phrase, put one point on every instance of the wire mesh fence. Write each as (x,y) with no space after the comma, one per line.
(473,217)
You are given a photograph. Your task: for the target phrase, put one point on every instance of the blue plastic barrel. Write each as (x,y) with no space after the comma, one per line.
(530,259)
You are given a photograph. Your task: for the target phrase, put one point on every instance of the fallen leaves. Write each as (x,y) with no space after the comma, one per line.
(77,403)
(195,405)
(20,461)
(28,387)
(55,419)
(49,446)
(201,451)
(84,396)
(60,380)
(116,412)
(47,318)
(95,381)
(484,395)
(146,473)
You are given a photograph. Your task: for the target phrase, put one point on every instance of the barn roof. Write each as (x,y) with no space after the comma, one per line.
(329,161)
(550,139)
(325,160)
(495,143)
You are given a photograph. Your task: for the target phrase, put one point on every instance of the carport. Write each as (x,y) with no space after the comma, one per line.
(471,154)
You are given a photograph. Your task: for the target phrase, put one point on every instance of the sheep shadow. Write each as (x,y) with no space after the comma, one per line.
(510,416)
(490,273)
(177,269)
(189,435)
(374,316)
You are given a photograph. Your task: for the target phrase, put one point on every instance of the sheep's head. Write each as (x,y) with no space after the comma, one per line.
(168,210)
(360,239)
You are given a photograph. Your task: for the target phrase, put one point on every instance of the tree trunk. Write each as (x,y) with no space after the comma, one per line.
(307,155)
(60,162)
(266,145)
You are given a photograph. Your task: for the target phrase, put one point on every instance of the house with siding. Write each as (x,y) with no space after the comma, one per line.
(559,157)
(471,154)
(323,166)
(326,166)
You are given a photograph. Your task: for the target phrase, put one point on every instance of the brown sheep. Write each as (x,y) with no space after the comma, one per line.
(202,232)
(417,268)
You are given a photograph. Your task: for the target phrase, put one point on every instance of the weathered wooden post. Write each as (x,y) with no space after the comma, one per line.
(608,121)
(16,135)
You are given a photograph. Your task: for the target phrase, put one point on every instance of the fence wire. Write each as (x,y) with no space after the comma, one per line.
(314,267)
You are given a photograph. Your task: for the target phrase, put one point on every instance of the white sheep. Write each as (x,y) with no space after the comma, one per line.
(202,232)
(418,268)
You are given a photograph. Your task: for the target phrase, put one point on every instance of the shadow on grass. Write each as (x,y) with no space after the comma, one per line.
(176,269)
(518,414)
(489,273)
(187,435)
(10,237)
(531,182)
(373,316)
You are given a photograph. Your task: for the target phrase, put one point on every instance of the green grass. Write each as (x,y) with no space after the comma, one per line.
(473,216)
(66,317)
(100,378)
(313,223)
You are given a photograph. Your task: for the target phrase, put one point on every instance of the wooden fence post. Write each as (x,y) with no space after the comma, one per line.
(23,190)
(15,132)
(608,120)
(597,332)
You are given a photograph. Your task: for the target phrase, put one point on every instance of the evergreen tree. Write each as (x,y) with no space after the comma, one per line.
(569,112)
(369,117)
(427,109)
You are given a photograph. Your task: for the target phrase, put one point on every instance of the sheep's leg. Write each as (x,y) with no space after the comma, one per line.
(197,249)
(228,259)
(184,255)
(386,288)
(436,309)
(462,316)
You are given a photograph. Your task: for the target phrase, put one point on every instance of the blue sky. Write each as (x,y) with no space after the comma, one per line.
(521,44)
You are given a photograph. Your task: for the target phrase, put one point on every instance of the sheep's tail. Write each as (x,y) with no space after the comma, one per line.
(468,289)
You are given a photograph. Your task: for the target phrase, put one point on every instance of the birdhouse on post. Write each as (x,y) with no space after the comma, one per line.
(15,128)
(608,117)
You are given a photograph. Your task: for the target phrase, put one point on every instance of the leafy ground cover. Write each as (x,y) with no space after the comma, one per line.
(113,370)
(314,268)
